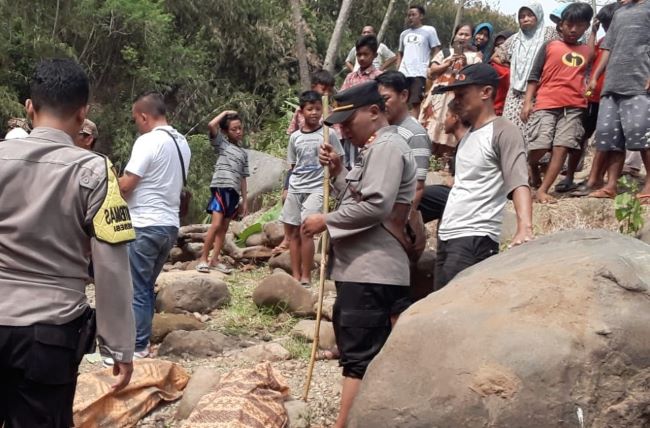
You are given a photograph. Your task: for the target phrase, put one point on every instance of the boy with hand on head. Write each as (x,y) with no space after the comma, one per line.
(228,186)
(305,195)
(556,82)
(366,53)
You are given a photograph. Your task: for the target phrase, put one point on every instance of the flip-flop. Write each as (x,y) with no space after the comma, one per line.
(564,187)
(203,268)
(602,194)
(644,198)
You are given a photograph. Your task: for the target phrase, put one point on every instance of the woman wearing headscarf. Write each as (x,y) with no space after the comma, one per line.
(520,51)
(483,40)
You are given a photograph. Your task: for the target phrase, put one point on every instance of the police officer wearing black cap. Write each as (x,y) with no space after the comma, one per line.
(490,169)
(368,263)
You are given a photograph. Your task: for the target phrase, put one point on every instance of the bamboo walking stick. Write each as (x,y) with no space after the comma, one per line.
(323,259)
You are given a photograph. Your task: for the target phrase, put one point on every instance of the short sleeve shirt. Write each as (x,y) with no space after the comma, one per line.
(155,201)
(415,44)
(307,174)
(490,165)
(231,165)
(418,140)
(628,41)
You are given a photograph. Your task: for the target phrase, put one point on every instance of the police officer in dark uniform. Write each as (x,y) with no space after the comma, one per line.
(58,204)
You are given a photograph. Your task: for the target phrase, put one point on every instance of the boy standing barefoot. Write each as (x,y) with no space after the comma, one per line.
(305,195)
(228,186)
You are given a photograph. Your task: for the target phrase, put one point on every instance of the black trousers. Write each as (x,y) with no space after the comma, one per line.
(456,255)
(434,200)
(38,375)
(361,318)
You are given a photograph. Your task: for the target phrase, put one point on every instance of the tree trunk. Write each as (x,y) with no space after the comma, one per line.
(301,49)
(384,23)
(459,16)
(337,34)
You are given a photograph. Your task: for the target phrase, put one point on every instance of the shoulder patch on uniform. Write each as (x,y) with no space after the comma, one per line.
(112,223)
(405,133)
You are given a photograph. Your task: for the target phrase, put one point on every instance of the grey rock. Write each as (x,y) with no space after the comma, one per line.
(192,291)
(256,240)
(422,275)
(163,324)
(257,253)
(525,338)
(267,173)
(298,412)
(203,381)
(280,291)
(265,352)
(274,232)
(197,343)
(305,330)
(281,261)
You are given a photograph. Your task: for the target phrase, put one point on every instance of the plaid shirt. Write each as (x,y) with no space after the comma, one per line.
(360,76)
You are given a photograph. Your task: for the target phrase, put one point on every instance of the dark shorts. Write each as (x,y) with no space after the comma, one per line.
(456,255)
(361,318)
(434,200)
(416,89)
(224,200)
(38,372)
(623,123)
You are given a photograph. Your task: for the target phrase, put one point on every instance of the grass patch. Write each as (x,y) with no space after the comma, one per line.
(243,317)
(299,349)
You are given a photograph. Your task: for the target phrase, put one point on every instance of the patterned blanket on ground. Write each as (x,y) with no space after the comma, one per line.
(244,398)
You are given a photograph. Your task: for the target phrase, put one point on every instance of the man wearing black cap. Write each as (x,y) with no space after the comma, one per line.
(490,168)
(369,265)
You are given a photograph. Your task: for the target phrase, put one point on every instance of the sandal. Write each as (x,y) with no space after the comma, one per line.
(644,198)
(330,354)
(564,186)
(222,268)
(203,268)
(602,194)
(280,249)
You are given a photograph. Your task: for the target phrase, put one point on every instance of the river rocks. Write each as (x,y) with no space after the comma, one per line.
(542,335)
(281,261)
(257,253)
(644,235)
(328,305)
(163,324)
(274,233)
(265,352)
(203,380)
(283,292)
(195,343)
(305,330)
(256,239)
(298,412)
(266,176)
(191,291)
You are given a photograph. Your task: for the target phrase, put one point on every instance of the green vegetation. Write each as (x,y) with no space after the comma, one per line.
(628,208)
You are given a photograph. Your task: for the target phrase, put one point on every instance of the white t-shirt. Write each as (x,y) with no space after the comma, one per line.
(16,133)
(155,201)
(415,44)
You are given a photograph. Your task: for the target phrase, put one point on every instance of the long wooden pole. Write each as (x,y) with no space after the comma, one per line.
(323,259)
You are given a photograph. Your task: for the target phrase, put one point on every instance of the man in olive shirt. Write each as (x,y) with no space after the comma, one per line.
(58,204)
(369,265)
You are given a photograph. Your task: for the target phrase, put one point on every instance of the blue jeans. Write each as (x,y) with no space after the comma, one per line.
(147,255)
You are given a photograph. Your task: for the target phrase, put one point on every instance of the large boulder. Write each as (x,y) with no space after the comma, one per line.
(265,352)
(274,232)
(283,292)
(191,291)
(163,324)
(266,176)
(422,275)
(197,343)
(281,261)
(553,333)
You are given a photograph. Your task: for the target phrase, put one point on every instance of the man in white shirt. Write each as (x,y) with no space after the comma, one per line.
(384,59)
(417,44)
(152,187)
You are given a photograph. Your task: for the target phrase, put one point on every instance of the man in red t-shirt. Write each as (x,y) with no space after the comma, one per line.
(557,83)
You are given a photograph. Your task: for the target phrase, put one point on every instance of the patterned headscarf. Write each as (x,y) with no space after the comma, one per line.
(525,46)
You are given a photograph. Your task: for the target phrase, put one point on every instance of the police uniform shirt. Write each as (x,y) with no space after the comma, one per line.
(362,250)
(58,204)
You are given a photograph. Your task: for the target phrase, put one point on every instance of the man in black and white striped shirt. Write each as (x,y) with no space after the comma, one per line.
(394,88)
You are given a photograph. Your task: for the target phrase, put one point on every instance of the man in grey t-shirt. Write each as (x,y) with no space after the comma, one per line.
(417,44)
(490,168)
(384,59)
